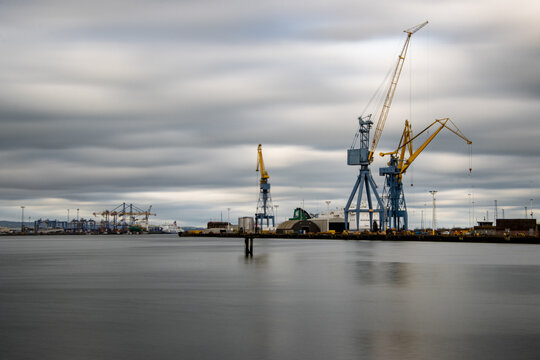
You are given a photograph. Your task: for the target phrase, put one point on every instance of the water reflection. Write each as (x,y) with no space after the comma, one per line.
(393,344)
(383,273)
(257,259)
(507,279)
(160,298)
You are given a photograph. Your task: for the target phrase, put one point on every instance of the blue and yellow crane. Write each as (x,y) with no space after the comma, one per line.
(400,160)
(264,204)
(363,154)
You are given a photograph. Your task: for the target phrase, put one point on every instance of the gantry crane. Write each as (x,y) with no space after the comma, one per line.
(363,155)
(123,216)
(393,195)
(264,204)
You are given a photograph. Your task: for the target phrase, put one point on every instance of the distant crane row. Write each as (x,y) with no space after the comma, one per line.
(125,215)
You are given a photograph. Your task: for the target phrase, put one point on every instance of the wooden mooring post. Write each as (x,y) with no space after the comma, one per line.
(249,245)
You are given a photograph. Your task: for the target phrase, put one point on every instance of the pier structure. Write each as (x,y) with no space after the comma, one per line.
(248,240)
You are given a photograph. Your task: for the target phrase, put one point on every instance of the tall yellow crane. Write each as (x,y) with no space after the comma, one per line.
(265,209)
(363,155)
(400,160)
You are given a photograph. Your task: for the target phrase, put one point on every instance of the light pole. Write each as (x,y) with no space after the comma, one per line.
(531,208)
(327,207)
(434,219)
(228,221)
(469,211)
(276,219)
(473,214)
(22,219)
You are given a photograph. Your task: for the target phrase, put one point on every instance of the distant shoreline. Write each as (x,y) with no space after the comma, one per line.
(310,236)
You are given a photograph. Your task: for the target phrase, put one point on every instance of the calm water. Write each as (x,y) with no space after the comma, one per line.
(164,297)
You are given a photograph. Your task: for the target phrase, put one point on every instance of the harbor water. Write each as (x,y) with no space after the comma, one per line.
(165,297)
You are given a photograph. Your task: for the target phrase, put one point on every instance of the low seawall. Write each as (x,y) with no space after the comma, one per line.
(382,237)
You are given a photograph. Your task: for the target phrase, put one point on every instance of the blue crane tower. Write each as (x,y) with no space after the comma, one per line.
(265,209)
(363,155)
(360,156)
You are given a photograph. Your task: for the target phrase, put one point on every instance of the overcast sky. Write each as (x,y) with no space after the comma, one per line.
(163,103)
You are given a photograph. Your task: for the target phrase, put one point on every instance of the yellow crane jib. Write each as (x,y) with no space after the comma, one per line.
(392,89)
(406,142)
(405,146)
(260,165)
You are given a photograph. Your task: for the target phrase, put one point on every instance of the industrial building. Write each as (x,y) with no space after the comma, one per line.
(219,227)
(246,224)
(298,227)
(510,227)
(517,227)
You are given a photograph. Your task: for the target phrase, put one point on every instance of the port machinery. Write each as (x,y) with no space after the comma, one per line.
(76,225)
(124,217)
(363,154)
(264,203)
(400,160)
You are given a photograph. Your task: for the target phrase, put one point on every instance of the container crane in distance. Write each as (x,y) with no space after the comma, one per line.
(396,207)
(264,204)
(123,216)
(363,155)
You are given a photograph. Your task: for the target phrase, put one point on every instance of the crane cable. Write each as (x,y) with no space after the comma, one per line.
(470,159)
(410,105)
(379,95)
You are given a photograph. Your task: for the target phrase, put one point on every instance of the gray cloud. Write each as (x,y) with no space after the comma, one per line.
(165,102)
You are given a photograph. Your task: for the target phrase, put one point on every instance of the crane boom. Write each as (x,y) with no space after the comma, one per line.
(442,124)
(403,164)
(260,165)
(390,94)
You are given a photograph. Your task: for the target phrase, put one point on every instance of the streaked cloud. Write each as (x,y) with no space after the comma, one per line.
(164,103)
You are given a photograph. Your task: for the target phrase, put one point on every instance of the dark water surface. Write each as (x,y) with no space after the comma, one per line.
(164,297)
